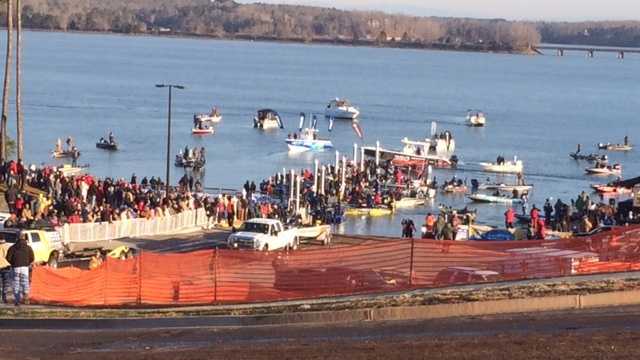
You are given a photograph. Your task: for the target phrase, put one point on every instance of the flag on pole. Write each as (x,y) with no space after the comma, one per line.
(357,128)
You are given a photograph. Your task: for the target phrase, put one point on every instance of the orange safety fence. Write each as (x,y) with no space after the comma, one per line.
(375,266)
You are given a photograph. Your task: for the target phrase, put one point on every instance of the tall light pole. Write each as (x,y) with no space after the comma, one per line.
(171,87)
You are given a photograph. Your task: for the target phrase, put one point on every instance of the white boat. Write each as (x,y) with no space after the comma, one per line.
(506,167)
(615,147)
(214,116)
(506,187)
(341,109)
(307,140)
(407,202)
(484,198)
(476,118)
(609,170)
(267,119)
(437,151)
(68,170)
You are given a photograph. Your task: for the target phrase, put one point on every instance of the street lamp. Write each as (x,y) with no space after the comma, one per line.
(171,87)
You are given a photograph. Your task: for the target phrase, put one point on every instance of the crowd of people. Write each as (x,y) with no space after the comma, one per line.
(45,197)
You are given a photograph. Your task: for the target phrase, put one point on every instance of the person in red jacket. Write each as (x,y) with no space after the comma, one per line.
(535,216)
(509,218)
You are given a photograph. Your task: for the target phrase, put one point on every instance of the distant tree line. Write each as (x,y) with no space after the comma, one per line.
(228,19)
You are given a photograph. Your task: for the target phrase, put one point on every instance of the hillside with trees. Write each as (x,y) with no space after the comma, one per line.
(231,20)
(227,19)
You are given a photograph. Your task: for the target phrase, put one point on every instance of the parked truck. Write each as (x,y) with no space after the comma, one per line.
(263,235)
(47,246)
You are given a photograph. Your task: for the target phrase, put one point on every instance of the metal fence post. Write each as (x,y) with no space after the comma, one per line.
(139,301)
(413,243)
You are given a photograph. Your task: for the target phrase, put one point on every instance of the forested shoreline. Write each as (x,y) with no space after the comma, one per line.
(227,19)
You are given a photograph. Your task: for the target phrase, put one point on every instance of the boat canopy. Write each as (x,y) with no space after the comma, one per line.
(266,113)
(628,183)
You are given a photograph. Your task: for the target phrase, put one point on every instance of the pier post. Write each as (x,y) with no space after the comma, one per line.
(337,161)
(291,183)
(560,52)
(315,176)
(377,153)
(590,53)
(344,177)
(621,55)
(362,158)
(298,194)
(355,153)
(322,181)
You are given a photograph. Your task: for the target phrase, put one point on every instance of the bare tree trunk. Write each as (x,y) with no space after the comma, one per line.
(7,82)
(19,125)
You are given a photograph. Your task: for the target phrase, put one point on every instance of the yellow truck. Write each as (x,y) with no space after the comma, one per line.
(47,246)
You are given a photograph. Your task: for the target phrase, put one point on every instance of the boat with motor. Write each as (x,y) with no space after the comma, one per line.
(191,158)
(454,186)
(611,189)
(213,117)
(267,119)
(341,109)
(495,199)
(586,157)
(476,118)
(70,152)
(438,151)
(606,170)
(506,187)
(307,140)
(373,212)
(409,202)
(107,144)
(501,166)
(69,170)
(616,147)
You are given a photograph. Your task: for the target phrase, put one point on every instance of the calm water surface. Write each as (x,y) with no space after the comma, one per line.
(538,108)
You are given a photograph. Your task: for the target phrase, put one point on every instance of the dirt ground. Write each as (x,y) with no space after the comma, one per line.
(595,334)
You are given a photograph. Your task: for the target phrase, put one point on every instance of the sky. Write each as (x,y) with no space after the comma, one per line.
(553,10)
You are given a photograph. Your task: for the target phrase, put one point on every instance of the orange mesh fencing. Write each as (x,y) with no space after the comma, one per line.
(375,266)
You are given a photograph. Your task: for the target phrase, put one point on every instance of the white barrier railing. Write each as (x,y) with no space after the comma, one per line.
(191,219)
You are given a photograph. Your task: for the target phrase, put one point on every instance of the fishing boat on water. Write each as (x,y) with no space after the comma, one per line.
(373,212)
(341,109)
(476,118)
(408,202)
(206,130)
(69,170)
(307,140)
(506,187)
(107,144)
(606,170)
(191,158)
(267,119)
(437,151)
(616,147)
(71,151)
(213,117)
(495,199)
(611,189)
(501,166)
(454,187)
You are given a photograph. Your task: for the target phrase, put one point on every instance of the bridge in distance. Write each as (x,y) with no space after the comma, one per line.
(589,50)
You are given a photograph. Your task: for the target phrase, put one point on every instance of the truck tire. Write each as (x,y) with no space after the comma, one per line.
(53,260)
(265,248)
(327,239)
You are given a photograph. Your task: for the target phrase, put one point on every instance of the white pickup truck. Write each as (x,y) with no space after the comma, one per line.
(264,235)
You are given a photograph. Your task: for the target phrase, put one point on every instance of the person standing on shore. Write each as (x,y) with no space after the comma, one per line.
(509,218)
(5,272)
(20,256)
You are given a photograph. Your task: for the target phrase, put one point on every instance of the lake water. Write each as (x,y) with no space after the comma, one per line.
(538,107)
